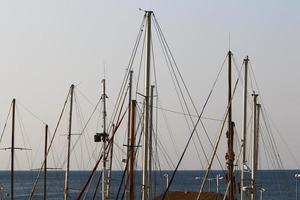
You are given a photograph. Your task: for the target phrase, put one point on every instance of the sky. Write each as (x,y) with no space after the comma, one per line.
(45,46)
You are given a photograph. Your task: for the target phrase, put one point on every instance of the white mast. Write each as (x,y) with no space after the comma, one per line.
(246,60)
(150,142)
(254,147)
(66,189)
(145,181)
(104,140)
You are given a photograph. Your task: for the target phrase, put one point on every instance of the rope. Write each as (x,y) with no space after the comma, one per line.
(5,123)
(31,113)
(49,147)
(188,142)
(168,52)
(217,144)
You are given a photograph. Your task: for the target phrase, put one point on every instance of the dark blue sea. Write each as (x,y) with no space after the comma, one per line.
(278,184)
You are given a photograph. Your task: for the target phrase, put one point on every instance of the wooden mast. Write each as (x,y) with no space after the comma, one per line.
(131,148)
(145,176)
(45,162)
(66,188)
(128,131)
(246,60)
(230,153)
(12,150)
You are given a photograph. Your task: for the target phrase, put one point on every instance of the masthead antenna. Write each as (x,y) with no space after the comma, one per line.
(140,9)
(104,69)
(229,41)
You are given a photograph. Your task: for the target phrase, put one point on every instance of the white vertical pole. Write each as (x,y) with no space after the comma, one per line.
(254,148)
(246,60)
(104,139)
(145,181)
(66,189)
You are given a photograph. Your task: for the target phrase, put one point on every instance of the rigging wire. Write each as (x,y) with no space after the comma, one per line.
(49,147)
(31,113)
(184,84)
(126,77)
(177,69)
(127,160)
(3,130)
(217,142)
(180,98)
(22,130)
(191,135)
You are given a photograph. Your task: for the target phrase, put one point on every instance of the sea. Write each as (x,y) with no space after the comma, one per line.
(271,184)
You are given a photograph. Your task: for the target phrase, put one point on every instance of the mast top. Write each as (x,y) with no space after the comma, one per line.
(146,11)
(254,94)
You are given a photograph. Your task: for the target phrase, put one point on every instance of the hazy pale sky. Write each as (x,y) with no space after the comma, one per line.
(47,45)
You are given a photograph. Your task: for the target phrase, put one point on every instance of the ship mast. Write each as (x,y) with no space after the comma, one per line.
(230,153)
(45,162)
(150,142)
(66,188)
(145,176)
(110,160)
(246,60)
(128,131)
(256,112)
(131,148)
(103,137)
(129,192)
(104,140)
(12,150)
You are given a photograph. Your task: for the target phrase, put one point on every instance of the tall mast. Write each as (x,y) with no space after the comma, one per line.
(246,60)
(45,162)
(12,150)
(150,142)
(230,153)
(98,137)
(131,150)
(254,147)
(66,189)
(145,181)
(104,140)
(128,126)
(110,163)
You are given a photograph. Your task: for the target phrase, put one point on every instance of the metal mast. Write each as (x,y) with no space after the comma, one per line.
(45,162)
(110,163)
(145,181)
(150,142)
(254,147)
(104,140)
(98,137)
(12,150)
(230,153)
(246,60)
(131,151)
(66,189)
